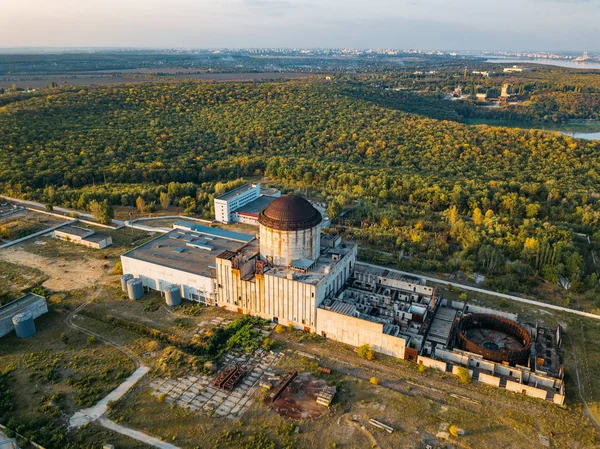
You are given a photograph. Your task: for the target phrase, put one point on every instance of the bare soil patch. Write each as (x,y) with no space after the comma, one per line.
(298,401)
(63,275)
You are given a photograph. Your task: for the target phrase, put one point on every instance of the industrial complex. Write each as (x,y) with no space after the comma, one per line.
(293,274)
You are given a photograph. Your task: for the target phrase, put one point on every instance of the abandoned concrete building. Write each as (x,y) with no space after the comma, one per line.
(292,274)
(82,236)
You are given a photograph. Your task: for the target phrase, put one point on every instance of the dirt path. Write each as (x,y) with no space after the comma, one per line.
(62,276)
(98,410)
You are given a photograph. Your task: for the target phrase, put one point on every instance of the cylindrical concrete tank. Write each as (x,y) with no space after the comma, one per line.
(173,295)
(124,279)
(135,288)
(24,325)
(289,230)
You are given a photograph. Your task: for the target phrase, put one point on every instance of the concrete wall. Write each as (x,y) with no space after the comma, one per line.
(455,369)
(282,247)
(452,357)
(431,363)
(471,308)
(157,277)
(489,380)
(338,274)
(475,363)
(290,301)
(270,296)
(357,332)
(526,389)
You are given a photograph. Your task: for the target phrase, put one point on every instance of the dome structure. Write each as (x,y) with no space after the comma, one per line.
(290,213)
(289,231)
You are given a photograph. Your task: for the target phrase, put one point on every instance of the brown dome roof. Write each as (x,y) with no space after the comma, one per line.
(290,213)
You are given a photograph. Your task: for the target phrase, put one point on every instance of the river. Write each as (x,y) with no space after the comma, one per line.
(581,129)
(555,62)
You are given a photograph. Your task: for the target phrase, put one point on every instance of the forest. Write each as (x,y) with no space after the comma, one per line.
(441,195)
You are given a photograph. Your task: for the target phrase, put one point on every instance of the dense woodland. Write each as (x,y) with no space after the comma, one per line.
(445,196)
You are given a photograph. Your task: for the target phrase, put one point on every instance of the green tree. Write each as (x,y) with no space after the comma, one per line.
(102,211)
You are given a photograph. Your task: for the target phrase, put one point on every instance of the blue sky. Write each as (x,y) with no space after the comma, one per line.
(425,24)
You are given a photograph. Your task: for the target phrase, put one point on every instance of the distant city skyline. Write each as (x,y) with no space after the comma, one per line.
(510,25)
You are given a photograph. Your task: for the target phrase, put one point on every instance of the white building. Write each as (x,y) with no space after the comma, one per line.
(243,204)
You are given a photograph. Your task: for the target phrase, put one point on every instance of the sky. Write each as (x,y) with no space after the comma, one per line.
(551,25)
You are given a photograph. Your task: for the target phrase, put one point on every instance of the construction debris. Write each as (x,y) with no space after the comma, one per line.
(381,425)
(326,396)
(283,384)
(325,370)
(229,377)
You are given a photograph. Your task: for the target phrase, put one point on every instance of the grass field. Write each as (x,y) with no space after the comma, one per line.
(24,223)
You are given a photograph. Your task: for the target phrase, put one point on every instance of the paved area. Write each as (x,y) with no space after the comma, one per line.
(93,413)
(136,435)
(196,392)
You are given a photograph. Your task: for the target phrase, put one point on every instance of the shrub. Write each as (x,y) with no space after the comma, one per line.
(463,374)
(374,381)
(118,269)
(365,352)
(453,430)
(267,344)
(279,329)
(91,340)
(161,397)
(422,368)
(39,291)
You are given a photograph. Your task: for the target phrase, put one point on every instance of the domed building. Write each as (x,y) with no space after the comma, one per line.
(289,231)
(287,272)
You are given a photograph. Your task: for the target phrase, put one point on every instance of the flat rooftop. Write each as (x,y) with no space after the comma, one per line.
(235,192)
(257,206)
(95,238)
(319,270)
(190,251)
(75,230)
(7,311)
(213,232)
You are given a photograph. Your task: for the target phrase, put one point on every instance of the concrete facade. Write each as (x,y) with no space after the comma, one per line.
(247,284)
(281,248)
(357,332)
(155,277)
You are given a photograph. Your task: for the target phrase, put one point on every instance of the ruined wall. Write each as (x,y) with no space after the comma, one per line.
(357,332)
(489,380)
(526,389)
(431,363)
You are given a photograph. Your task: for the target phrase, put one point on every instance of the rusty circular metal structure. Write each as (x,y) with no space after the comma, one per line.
(490,351)
(290,213)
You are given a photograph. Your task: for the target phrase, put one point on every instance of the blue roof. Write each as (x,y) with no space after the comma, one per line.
(216,232)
